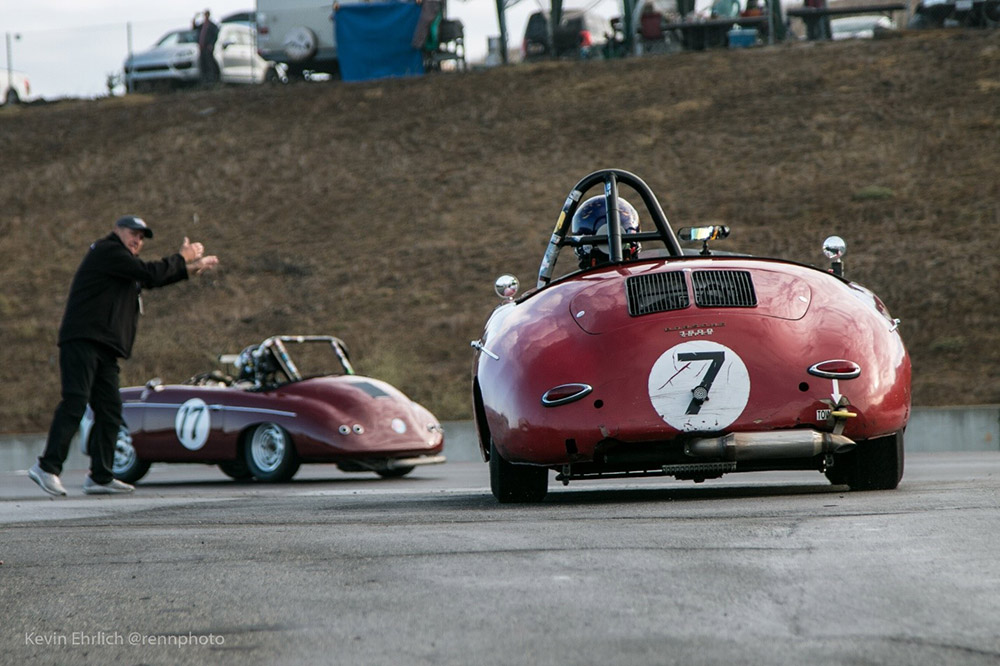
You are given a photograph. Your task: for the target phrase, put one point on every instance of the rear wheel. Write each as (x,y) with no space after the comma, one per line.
(875,464)
(270,455)
(516,483)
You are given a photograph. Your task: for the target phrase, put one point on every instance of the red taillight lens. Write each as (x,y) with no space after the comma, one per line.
(836,369)
(585,38)
(560,395)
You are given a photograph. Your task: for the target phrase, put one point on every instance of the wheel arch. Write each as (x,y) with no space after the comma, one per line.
(479,417)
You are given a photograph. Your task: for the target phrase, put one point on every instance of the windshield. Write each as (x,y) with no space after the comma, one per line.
(179,37)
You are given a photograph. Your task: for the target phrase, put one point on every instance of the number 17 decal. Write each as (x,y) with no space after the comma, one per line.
(699,385)
(192,424)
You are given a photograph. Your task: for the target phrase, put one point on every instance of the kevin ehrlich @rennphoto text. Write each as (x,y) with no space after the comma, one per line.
(79,638)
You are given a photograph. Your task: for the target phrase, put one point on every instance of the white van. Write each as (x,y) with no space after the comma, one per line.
(298,33)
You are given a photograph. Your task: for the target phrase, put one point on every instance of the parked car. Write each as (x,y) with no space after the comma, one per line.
(292,400)
(14,86)
(580,34)
(684,362)
(174,60)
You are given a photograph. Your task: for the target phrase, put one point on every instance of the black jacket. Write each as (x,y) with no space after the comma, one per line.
(103,304)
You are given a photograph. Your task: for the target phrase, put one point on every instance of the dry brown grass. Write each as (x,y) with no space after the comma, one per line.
(381,212)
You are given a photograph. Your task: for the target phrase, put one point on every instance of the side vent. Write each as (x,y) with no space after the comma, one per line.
(656,292)
(723,289)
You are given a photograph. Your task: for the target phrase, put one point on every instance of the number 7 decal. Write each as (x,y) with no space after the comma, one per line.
(682,378)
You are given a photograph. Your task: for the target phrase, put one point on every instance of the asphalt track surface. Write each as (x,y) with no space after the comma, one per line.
(775,568)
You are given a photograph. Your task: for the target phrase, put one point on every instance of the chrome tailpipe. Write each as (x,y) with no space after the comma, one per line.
(769,445)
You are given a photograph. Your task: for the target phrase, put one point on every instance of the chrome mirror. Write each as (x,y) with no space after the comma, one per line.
(506,287)
(835,248)
(704,234)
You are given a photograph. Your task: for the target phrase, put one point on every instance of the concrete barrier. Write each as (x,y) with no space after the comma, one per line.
(974,428)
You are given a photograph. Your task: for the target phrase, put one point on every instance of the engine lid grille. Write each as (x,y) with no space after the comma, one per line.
(723,289)
(656,292)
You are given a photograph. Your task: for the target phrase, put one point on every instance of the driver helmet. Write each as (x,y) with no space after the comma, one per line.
(246,364)
(591,219)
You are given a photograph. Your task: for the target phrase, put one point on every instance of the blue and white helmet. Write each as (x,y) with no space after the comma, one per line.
(591,219)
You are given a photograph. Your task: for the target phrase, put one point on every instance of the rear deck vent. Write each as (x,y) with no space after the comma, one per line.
(723,289)
(656,292)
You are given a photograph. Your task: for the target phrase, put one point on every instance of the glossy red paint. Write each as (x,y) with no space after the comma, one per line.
(359,423)
(580,332)
(312,411)
(685,364)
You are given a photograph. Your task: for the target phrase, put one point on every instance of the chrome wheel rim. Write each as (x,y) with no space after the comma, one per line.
(125,456)
(268,447)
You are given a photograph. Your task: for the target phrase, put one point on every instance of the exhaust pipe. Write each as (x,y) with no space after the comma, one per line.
(769,445)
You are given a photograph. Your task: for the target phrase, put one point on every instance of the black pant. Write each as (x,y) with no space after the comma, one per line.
(89,373)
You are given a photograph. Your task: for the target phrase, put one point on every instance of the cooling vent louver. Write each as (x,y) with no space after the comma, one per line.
(723,289)
(656,292)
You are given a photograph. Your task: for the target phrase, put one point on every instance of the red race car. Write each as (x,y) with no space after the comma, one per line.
(295,399)
(652,359)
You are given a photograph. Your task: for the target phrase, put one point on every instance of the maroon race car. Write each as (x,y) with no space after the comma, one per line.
(691,362)
(294,399)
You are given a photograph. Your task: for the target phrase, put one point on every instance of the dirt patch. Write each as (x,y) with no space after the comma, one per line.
(382,212)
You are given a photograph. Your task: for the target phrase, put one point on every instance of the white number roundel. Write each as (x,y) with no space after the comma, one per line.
(192,424)
(699,385)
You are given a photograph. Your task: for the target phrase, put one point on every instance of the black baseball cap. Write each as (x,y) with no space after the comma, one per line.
(137,223)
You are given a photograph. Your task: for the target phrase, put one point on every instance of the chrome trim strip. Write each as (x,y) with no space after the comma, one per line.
(584,390)
(213,407)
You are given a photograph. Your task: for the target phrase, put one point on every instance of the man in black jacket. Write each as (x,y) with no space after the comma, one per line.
(97,329)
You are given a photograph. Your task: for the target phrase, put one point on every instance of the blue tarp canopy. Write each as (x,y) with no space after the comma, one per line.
(374,40)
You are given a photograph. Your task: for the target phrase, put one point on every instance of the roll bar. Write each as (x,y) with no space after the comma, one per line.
(611,178)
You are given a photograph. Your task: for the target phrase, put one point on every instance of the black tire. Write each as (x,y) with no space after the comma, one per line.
(516,483)
(12,97)
(236,469)
(876,464)
(127,466)
(270,454)
(394,473)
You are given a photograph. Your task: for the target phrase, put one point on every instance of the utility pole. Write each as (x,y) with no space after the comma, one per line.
(502,20)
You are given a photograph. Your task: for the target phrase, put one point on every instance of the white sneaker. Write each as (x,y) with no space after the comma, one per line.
(50,483)
(112,487)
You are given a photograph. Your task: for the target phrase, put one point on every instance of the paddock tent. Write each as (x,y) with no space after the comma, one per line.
(374,40)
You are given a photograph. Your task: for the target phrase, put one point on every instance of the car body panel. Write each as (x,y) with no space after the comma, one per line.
(312,412)
(577,327)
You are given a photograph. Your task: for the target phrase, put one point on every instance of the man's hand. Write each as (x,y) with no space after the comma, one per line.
(202,264)
(191,251)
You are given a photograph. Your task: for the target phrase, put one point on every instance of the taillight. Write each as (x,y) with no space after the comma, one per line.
(836,369)
(585,38)
(565,393)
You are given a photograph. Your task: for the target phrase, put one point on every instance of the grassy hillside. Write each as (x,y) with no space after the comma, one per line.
(381,212)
